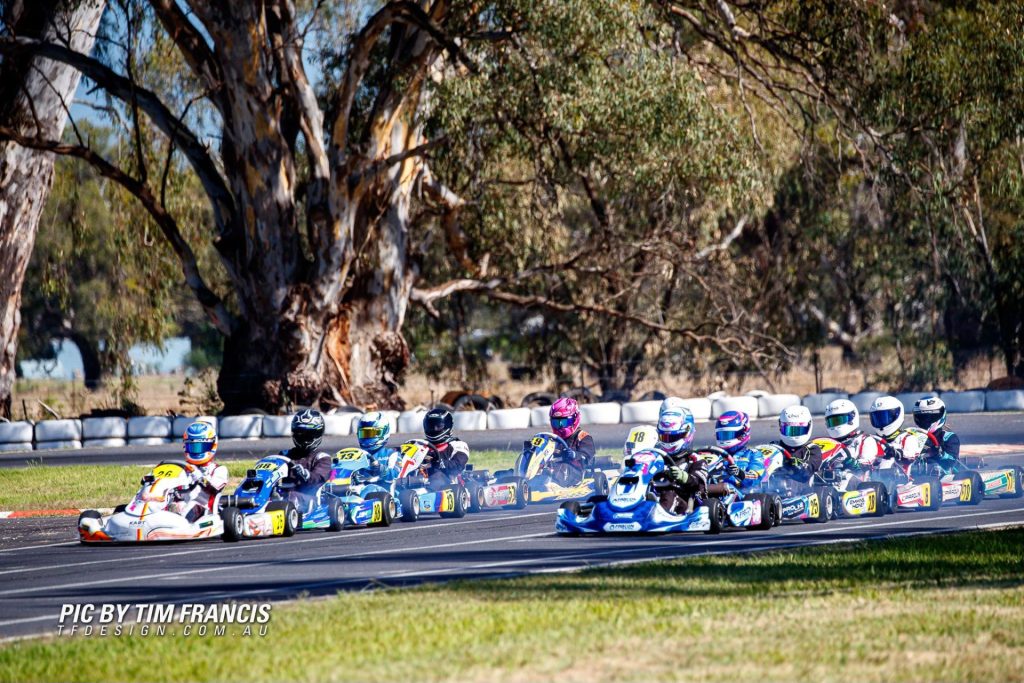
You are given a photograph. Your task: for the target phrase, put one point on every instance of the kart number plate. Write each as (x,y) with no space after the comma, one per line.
(167,472)
(378,512)
(448,502)
(266,465)
(965,490)
(815,507)
(348,454)
(277,522)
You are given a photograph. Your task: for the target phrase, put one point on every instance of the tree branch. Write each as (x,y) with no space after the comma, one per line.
(192,46)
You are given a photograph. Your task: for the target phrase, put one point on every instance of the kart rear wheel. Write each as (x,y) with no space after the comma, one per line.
(292,518)
(462,502)
(572,506)
(935,495)
(120,508)
(768,510)
(234,524)
(826,504)
(476,497)
(977,488)
(335,514)
(600,484)
(522,493)
(388,503)
(1018,483)
(410,501)
(716,513)
(881,497)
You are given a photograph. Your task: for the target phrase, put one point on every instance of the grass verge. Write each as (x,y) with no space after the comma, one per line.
(935,608)
(40,487)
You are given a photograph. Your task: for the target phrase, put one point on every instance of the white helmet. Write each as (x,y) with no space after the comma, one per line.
(672,404)
(886,415)
(795,426)
(930,413)
(676,431)
(841,418)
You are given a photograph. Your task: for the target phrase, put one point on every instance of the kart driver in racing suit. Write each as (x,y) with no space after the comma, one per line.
(574,462)
(887,419)
(687,471)
(842,422)
(373,432)
(207,478)
(801,459)
(732,434)
(943,447)
(310,466)
(448,455)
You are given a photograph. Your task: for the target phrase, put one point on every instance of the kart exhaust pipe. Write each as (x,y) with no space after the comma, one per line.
(240,502)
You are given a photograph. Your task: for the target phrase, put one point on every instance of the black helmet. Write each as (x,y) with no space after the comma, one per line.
(437,425)
(308,429)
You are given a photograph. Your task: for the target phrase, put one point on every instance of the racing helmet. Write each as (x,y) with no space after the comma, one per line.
(795,426)
(200,443)
(675,431)
(671,404)
(886,415)
(437,425)
(373,431)
(732,431)
(930,413)
(308,429)
(841,418)
(565,417)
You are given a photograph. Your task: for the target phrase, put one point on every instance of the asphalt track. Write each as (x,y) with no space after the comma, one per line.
(42,567)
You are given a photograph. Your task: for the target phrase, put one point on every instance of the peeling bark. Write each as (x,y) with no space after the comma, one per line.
(33,93)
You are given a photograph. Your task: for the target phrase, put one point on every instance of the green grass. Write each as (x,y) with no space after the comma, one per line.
(936,608)
(40,487)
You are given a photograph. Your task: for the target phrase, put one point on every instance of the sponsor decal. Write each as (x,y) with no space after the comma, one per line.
(999,483)
(793,509)
(740,514)
(910,496)
(203,525)
(622,526)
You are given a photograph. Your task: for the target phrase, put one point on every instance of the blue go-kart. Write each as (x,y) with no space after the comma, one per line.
(633,505)
(367,497)
(262,505)
(747,503)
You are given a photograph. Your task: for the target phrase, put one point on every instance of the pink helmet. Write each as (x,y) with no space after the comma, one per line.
(565,417)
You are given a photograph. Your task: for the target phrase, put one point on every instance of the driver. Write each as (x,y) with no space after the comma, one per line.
(207,477)
(310,466)
(801,458)
(943,446)
(887,419)
(449,455)
(842,422)
(373,432)
(732,434)
(686,471)
(579,457)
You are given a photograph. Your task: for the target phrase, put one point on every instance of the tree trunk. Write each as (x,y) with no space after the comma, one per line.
(32,96)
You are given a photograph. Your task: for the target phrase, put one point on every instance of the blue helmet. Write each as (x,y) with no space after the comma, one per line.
(732,431)
(675,431)
(373,431)
(200,442)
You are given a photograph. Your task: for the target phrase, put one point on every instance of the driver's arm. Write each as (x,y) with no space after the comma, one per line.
(319,469)
(586,449)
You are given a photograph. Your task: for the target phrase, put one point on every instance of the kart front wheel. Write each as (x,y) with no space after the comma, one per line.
(462,502)
(410,501)
(292,519)
(881,497)
(387,502)
(826,504)
(335,515)
(600,484)
(716,513)
(476,497)
(522,498)
(1017,483)
(977,485)
(234,524)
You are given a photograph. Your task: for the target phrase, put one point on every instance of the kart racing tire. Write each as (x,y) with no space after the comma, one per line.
(573,507)
(522,493)
(388,501)
(1018,487)
(335,514)
(595,499)
(977,488)
(292,518)
(88,514)
(935,495)
(770,505)
(234,524)
(826,504)
(600,484)
(881,497)
(716,513)
(462,501)
(120,508)
(476,496)
(410,501)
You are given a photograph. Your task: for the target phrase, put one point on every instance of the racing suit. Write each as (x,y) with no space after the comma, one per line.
(310,469)
(800,464)
(905,445)
(571,464)
(208,481)
(378,461)
(865,449)
(942,449)
(747,469)
(683,496)
(448,459)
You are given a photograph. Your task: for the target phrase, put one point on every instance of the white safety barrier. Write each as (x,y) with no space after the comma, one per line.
(149,441)
(715,395)
(964,401)
(509,418)
(600,413)
(770,405)
(181,423)
(1011,399)
(540,417)
(816,403)
(747,404)
(701,408)
(277,426)
(241,426)
(469,420)
(61,444)
(339,424)
(113,442)
(864,399)
(15,446)
(59,430)
(411,421)
(149,427)
(640,412)
(758,393)
(94,428)
(16,432)
(910,398)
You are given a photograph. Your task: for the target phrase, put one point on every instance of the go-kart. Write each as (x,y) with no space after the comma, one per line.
(549,480)
(414,491)
(263,505)
(808,501)
(854,497)
(633,505)
(157,513)
(968,482)
(367,497)
(748,503)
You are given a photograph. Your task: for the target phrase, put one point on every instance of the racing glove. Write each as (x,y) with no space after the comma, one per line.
(299,472)
(735,471)
(679,474)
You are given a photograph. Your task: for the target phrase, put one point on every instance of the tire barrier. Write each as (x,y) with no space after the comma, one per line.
(149,427)
(758,393)
(60,444)
(241,426)
(339,424)
(150,441)
(770,405)
(640,412)
(181,423)
(964,401)
(539,417)
(277,426)
(509,418)
(601,413)
(748,404)
(113,442)
(15,446)
(1012,399)
(864,399)
(816,402)
(411,421)
(16,432)
(470,420)
(59,430)
(103,428)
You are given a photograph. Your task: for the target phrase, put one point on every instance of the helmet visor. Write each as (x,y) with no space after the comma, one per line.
(198,447)
(833,421)
(794,429)
(673,437)
(924,420)
(728,434)
(561,422)
(434,426)
(881,418)
(371,432)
